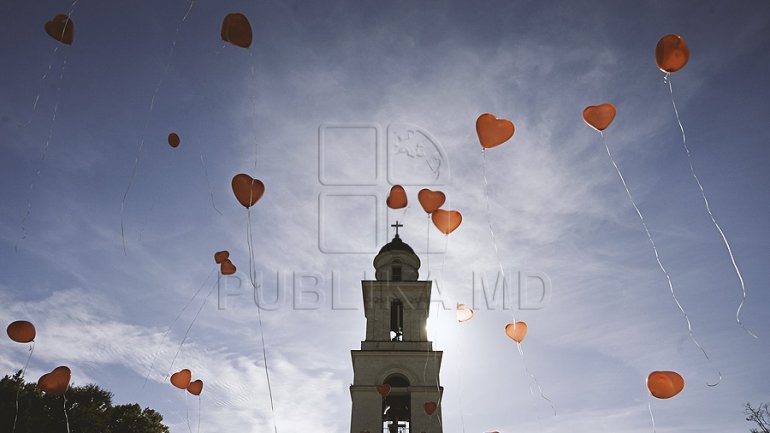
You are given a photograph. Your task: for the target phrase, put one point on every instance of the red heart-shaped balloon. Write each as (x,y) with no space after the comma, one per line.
(21,331)
(446,221)
(236,29)
(384,389)
(221,256)
(671,53)
(493,131)
(173,139)
(397,197)
(247,189)
(430,200)
(665,384)
(464,313)
(227,267)
(181,379)
(516,331)
(599,116)
(61,28)
(430,407)
(195,387)
(56,382)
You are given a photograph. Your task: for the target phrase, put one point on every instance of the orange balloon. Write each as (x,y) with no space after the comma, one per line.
(247,189)
(397,197)
(173,139)
(56,382)
(236,30)
(665,384)
(195,387)
(671,53)
(21,331)
(384,389)
(599,117)
(430,407)
(221,256)
(446,221)
(61,28)
(227,267)
(464,313)
(181,379)
(516,331)
(431,200)
(493,131)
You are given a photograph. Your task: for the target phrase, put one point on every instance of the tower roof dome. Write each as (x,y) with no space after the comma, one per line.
(396,245)
(396,261)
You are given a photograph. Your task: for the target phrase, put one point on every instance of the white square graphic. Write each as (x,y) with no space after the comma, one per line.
(348,154)
(349,223)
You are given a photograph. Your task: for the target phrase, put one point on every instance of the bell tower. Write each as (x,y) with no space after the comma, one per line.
(396,385)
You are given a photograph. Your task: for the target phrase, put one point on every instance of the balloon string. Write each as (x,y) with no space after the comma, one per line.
(438,404)
(652,417)
(711,215)
(187,409)
(267,370)
(460,382)
(252,277)
(428,351)
(427,248)
(40,86)
(171,325)
(438,385)
(534,379)
(208,182)
(143,132)
(254,106)
(427,358)
(441,268)
(69,17)
(658,259)
(438,308)
(195,318)
(199,414)
(50,128)
(489,221)
(43,154)
(250,246)
(69,14)
(18,391)
(446,253)
(64,408)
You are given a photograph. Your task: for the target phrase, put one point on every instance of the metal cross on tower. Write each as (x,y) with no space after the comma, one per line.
(396,225)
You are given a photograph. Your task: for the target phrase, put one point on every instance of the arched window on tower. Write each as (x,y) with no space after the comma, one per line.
(396,273)
(396,413)
(396,320)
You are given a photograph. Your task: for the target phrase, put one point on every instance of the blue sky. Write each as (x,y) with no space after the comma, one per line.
(557,205)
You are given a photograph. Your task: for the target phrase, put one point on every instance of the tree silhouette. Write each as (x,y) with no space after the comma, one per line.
(759,415)
(89,410)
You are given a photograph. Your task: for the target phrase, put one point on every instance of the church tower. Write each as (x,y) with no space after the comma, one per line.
(396,385)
